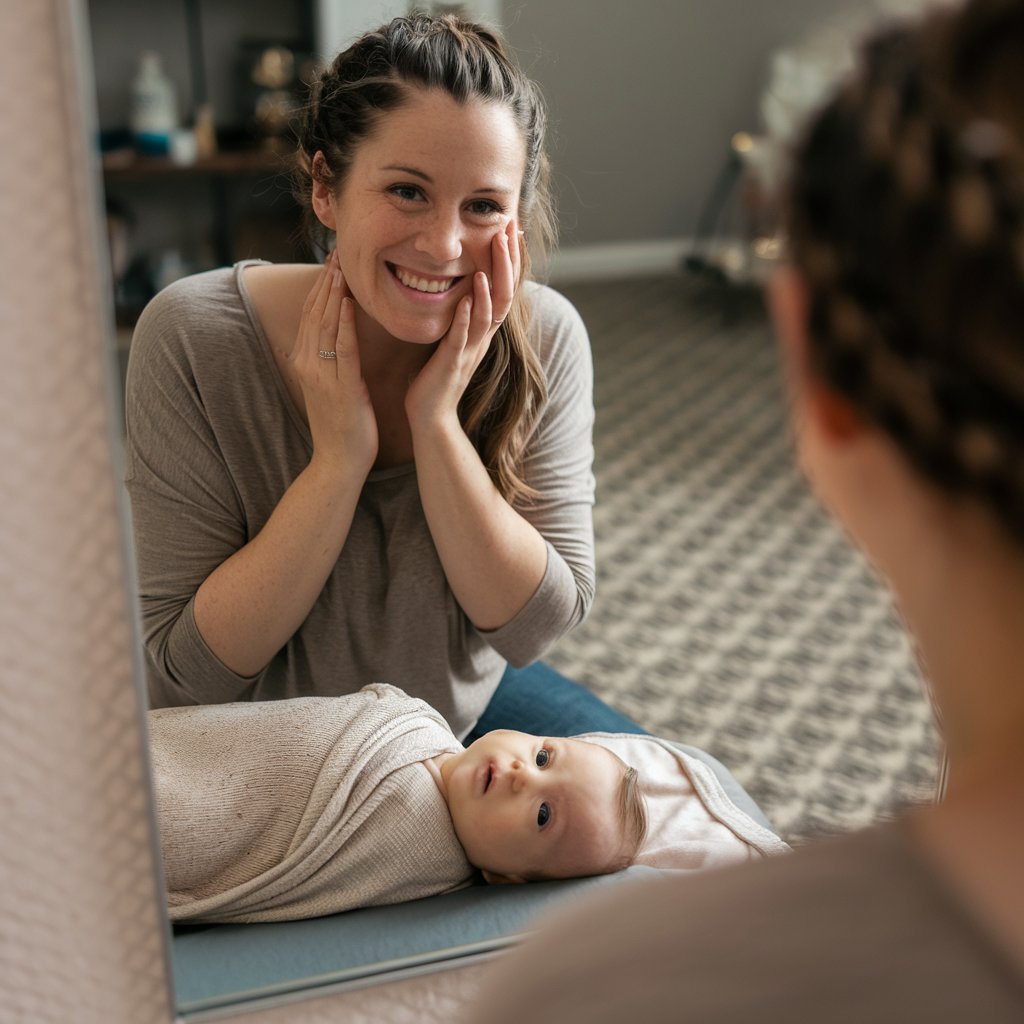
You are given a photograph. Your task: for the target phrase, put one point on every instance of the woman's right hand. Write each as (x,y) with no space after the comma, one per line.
(252,603)
(341,418)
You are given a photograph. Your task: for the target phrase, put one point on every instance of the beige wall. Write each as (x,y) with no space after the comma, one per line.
(644,97)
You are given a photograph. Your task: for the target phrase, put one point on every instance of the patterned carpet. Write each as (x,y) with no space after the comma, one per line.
(731,613)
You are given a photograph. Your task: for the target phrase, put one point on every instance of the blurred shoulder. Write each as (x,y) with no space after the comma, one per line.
(842,912)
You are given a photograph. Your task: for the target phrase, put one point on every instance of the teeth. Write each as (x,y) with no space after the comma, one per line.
(422,285)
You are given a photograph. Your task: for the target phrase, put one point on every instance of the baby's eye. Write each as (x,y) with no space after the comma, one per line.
(543,815)
(543,756)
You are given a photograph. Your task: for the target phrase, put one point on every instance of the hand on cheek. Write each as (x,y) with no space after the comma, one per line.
(326,360)
(506,268)
(434,395)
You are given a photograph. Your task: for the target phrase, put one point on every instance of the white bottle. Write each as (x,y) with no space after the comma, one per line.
(154,109)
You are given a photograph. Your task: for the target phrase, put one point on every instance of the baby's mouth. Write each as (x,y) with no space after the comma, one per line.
(490,778)
(418,283)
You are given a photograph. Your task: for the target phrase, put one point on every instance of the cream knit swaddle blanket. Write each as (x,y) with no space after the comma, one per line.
(288,809)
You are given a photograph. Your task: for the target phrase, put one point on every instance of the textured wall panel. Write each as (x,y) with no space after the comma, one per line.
(80,935)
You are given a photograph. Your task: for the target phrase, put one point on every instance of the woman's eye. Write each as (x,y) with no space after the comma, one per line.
(543,756)
(543,815)
(409,192)
(483,208)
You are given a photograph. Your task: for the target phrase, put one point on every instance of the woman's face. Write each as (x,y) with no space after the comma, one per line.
(425,195)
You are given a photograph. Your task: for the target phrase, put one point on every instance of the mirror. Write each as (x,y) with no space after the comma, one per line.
(747,626)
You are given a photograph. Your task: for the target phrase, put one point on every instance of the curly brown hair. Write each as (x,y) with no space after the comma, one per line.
(372,77)
(906,219)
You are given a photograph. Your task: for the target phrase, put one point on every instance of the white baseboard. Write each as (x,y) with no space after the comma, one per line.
(617,259)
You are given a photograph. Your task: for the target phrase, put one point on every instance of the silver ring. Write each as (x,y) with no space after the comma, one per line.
(327,354)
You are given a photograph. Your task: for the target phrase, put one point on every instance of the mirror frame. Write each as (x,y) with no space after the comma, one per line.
(84,931)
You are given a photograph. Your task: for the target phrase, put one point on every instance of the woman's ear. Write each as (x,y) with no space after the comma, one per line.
(494,878)
(812,398)
(323,197)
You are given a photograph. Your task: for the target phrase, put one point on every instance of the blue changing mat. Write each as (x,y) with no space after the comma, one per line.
(217,965)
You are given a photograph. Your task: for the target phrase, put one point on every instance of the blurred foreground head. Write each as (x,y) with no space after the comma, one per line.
(906,222)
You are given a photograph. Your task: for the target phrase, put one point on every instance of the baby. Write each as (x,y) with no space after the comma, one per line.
(298,808)
(526,808)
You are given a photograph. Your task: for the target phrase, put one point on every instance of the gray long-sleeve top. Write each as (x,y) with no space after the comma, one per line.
(214,440)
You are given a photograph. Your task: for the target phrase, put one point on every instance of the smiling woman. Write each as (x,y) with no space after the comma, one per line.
(389,473)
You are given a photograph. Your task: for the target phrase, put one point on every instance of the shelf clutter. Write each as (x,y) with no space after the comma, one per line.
(196,107)
(167,219)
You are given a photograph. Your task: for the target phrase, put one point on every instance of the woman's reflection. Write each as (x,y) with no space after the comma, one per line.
(378,469)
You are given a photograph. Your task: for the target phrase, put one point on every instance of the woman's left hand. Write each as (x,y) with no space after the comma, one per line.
(433,396)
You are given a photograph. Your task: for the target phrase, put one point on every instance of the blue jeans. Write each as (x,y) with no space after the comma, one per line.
(539,700)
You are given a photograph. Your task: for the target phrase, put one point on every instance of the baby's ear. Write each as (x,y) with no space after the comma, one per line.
(494,878)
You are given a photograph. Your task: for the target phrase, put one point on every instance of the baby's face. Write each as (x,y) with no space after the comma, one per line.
(523,805)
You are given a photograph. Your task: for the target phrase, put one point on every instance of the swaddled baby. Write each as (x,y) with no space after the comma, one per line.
(297,808)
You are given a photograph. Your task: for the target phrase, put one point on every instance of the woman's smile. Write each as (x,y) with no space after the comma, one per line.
(430,287)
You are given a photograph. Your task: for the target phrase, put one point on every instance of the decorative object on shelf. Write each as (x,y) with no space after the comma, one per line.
(274,80)
(154,107)
(228,168)
(203,125)
(183,147)
(205,132)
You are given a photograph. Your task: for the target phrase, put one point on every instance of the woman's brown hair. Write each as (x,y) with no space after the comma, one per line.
(502,402)
(906,218)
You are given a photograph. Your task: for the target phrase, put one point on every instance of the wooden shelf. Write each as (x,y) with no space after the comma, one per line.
(120,167)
